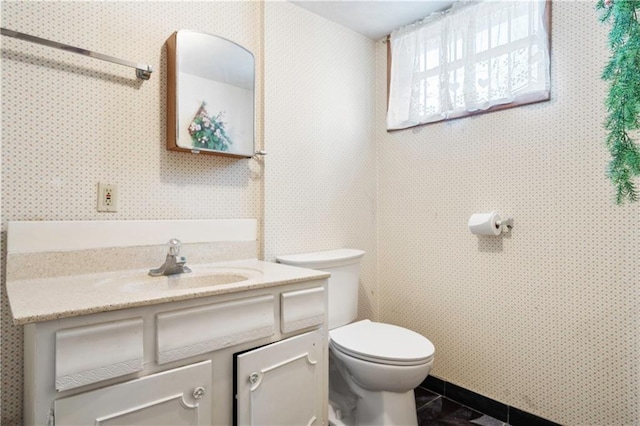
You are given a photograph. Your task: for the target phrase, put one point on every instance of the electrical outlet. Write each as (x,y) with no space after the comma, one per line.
(107,197)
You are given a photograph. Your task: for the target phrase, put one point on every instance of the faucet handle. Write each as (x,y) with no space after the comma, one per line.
(174,246)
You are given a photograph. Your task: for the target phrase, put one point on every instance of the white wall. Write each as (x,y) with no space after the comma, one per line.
(545,319)
(320,182)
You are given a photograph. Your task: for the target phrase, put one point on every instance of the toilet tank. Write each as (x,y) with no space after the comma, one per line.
(344,266)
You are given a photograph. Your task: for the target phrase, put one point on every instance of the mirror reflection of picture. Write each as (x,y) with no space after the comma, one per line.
(210,95)
(208,131)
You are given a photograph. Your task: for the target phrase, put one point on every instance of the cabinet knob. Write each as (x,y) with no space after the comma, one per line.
(198,392)
(253,378)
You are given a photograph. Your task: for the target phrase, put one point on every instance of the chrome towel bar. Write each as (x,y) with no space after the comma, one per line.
(143,72)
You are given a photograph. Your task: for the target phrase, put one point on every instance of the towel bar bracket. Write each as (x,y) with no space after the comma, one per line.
(143,74)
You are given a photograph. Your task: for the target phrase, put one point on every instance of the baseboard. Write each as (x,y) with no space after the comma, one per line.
(503,412)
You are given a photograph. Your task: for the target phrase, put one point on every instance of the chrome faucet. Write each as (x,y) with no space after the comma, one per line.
(174,264)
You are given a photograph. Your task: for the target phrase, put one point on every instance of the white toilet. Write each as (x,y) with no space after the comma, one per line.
(373,367)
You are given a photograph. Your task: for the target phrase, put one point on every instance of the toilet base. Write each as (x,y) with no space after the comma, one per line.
(336,417)
(354,404)
(386,409)
(379,409)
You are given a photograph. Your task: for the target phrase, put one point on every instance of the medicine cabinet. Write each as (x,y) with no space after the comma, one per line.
(210,95)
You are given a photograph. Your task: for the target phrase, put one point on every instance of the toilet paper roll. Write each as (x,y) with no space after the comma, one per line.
(485,224)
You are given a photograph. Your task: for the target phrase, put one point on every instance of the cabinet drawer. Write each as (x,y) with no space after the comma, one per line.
(302,309)
(188,332)
(98,352)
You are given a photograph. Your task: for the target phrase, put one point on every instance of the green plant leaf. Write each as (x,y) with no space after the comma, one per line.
(623,100)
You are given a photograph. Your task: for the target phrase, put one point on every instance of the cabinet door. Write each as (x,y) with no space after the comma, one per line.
(176,397)
(281,384)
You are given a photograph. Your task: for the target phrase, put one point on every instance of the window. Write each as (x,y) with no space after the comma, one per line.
(474,57)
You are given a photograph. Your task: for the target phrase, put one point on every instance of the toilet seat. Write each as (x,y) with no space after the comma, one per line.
(382,343)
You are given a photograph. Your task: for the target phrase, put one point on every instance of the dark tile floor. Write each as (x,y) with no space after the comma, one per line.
(436,410)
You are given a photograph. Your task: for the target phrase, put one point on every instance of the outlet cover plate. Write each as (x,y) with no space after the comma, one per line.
(107,197)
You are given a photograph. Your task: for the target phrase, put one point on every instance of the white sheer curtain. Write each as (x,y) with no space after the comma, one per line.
(475,56)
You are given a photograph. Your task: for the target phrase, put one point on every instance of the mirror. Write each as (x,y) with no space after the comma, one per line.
(210,95)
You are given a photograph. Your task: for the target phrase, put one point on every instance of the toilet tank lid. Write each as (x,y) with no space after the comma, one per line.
(323,259)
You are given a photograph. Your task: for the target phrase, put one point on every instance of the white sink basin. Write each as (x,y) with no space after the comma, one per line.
(184,281)
(201,277)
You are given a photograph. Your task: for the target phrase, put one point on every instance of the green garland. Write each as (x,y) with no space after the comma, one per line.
(623,102)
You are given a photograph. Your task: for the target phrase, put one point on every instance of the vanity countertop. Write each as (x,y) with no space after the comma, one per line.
(44,299)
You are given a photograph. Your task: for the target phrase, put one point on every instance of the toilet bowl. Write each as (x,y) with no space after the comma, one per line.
(382,364)
(382,356)
(373,366)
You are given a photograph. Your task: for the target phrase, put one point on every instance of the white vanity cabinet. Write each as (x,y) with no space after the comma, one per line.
(173,363)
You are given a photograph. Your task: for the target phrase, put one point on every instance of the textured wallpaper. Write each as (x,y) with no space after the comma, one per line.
(69,122)
(544,319)
(320,179)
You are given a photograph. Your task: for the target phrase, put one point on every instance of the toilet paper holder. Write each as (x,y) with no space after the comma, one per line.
(490,223)
(507,224)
